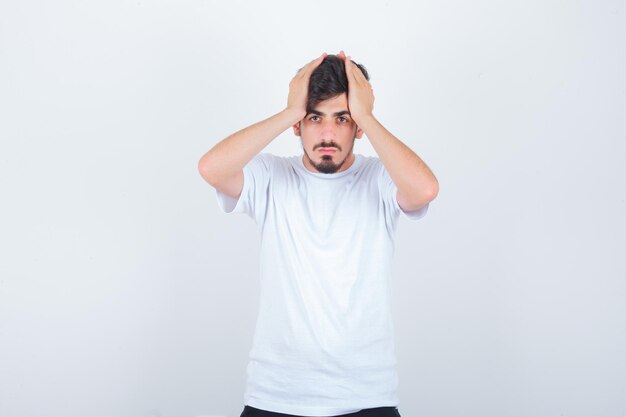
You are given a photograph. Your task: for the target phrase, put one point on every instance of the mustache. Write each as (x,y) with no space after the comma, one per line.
(328,145)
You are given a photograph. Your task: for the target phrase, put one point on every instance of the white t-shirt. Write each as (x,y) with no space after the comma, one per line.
(324,342)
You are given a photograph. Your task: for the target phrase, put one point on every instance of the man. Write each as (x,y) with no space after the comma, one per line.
(323,344)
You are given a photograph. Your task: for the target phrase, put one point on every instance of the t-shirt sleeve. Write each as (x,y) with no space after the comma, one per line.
(389,194)
(254,194)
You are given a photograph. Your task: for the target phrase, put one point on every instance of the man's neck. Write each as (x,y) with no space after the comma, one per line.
(347,164)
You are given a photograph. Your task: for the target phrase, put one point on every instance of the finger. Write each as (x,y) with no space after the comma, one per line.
(349,69)
(351,66)
(308,68)
(358,74)
(352,71)
(314,63)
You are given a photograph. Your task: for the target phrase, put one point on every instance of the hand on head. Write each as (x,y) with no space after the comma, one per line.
(299,86)
(360,91)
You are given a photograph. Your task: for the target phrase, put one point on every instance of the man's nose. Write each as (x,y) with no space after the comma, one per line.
(329,128)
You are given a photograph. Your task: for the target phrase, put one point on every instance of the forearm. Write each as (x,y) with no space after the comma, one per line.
(231,154)
(407,170)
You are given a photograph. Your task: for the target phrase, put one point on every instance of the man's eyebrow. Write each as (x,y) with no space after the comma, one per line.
(339,113)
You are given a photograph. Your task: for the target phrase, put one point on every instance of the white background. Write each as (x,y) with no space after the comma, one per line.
(124,291)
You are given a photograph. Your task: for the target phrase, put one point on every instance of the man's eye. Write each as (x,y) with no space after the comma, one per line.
(313,117)
(343,119)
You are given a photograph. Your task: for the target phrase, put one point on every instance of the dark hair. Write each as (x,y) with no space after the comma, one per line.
(329,80)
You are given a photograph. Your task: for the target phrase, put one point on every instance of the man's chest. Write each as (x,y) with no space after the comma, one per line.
(327,208)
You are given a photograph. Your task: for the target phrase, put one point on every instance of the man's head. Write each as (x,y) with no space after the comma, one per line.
(328,122)
(329,80)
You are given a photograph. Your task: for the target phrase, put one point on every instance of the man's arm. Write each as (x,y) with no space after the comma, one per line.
(222,166)
(417,185)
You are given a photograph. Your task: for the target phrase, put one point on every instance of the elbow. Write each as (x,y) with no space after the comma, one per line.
(426,194)
(204,168)
(434,191)
(425,198)
(416,200)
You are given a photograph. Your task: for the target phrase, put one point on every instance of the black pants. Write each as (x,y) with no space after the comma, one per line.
(249,411)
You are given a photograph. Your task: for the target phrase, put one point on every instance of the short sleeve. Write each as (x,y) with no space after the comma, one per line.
(389,194)
(254,194)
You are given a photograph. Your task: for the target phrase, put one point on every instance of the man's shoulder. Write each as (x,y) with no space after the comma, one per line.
(371,163)
(272,157)
(269,162)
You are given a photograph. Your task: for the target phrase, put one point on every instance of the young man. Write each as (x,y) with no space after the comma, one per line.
(323,344)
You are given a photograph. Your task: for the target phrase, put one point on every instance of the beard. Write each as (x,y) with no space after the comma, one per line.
(327,165)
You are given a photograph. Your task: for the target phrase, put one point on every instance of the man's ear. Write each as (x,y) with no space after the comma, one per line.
(359,133)
(296,129)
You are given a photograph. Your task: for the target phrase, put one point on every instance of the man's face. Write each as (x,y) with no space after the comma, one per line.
(328,125)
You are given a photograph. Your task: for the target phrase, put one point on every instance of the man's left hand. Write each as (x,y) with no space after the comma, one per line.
(360,91)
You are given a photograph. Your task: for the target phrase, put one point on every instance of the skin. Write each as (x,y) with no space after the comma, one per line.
(222,165)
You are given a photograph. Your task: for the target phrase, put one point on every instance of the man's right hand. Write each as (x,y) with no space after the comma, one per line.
(299,87)
(222,166)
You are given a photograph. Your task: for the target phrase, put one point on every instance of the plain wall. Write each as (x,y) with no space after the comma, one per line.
(124,291)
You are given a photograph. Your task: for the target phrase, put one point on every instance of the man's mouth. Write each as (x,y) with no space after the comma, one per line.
(327,150)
